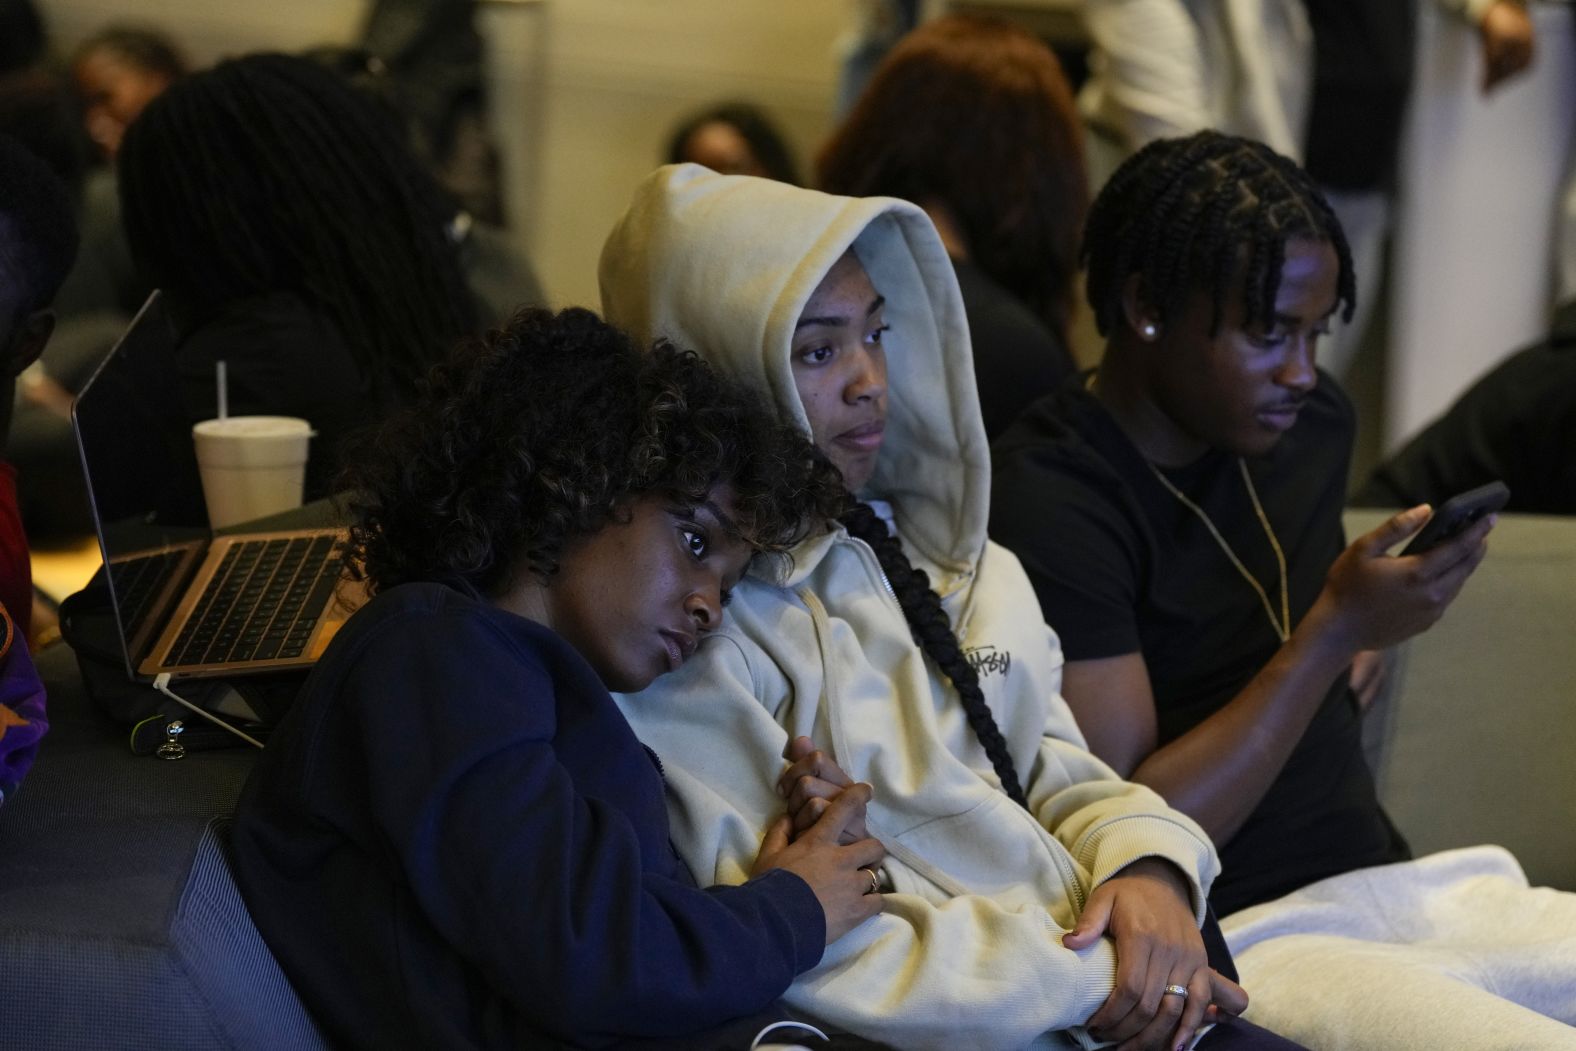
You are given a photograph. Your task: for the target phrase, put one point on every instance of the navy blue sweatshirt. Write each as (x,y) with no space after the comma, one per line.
(455,840)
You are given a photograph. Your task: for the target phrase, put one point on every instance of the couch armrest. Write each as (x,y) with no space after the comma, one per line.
(1477,740)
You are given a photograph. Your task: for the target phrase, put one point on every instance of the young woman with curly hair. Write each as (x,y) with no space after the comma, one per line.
(455,839)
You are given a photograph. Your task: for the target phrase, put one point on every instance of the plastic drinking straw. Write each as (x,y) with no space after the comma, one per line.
(224,390)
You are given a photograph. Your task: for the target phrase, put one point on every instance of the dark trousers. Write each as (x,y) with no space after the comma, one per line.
(1234,1034)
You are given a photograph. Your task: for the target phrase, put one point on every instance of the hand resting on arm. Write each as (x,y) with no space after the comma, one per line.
(825,853)
(1145,909)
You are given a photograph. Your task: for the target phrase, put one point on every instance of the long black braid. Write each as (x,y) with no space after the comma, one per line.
(929,623)
(271,173)
(1205,211)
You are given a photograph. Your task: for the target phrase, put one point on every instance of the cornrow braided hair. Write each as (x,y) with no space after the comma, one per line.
(933,631)
(1205,211)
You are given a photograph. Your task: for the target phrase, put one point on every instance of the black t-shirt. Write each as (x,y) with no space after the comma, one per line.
(1121,566)
(1517,424)
(1016,357)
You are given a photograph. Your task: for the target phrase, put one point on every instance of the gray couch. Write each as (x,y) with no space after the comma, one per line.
(120,925)
(1477,742)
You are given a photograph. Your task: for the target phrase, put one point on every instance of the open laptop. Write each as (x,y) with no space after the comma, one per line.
(187,601)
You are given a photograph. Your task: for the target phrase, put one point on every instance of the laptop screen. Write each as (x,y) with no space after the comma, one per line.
(135,441)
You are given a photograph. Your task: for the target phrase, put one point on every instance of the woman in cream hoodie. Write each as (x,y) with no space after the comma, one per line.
(847,313)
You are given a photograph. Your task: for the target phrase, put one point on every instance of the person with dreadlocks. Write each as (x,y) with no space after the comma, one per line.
(297,239)
(1179,512)
(1034,898)
(454,840)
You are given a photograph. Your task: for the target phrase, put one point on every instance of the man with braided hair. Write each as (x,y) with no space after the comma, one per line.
(1179,513)
(1033,898)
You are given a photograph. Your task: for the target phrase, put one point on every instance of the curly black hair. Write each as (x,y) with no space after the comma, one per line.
(1205,211)
(549,429)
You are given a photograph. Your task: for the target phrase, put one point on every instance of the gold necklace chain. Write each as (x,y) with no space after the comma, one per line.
(1282,626)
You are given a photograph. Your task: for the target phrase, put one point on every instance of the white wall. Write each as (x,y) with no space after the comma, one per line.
(210,29)
(621,72)
(1473,273)
(585,90)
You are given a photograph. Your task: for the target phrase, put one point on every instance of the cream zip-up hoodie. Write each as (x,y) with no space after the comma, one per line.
(967,952)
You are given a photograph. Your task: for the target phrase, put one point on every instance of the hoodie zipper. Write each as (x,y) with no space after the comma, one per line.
(1061,856)
(868,556)
(885,582)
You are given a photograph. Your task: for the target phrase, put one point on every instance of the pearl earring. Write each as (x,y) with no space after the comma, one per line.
(1149,330)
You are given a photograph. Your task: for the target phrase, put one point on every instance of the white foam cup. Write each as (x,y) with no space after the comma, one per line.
(251,466)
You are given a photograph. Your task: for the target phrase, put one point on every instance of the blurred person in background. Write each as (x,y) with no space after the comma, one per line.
(970,118)
(298,239)
(733,138)
(119,70)
(432,50)
(1517,424)
(500,273)
(1325,82)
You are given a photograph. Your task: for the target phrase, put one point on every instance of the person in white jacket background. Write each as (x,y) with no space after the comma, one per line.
(1033,898)
(1323,82)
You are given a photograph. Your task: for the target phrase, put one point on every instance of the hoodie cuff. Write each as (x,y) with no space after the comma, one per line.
(1099,979)
(1135,838)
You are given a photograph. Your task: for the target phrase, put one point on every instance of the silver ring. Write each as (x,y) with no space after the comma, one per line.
(1176,990)
(875,881)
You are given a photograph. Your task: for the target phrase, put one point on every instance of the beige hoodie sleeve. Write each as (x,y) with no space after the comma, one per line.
(1105,823)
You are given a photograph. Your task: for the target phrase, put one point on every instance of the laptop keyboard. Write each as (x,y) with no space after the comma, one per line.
(262,603)
(138,581)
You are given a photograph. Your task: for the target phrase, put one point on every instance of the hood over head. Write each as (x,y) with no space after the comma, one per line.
(723,265)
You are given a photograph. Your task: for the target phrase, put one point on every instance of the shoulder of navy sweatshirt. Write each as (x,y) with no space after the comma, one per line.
(455,839)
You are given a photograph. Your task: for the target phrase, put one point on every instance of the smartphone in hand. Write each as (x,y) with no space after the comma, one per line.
(1452,517)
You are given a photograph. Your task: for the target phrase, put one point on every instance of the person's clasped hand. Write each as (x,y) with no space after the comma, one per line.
(1164,984)
(822,839)
(810,783)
